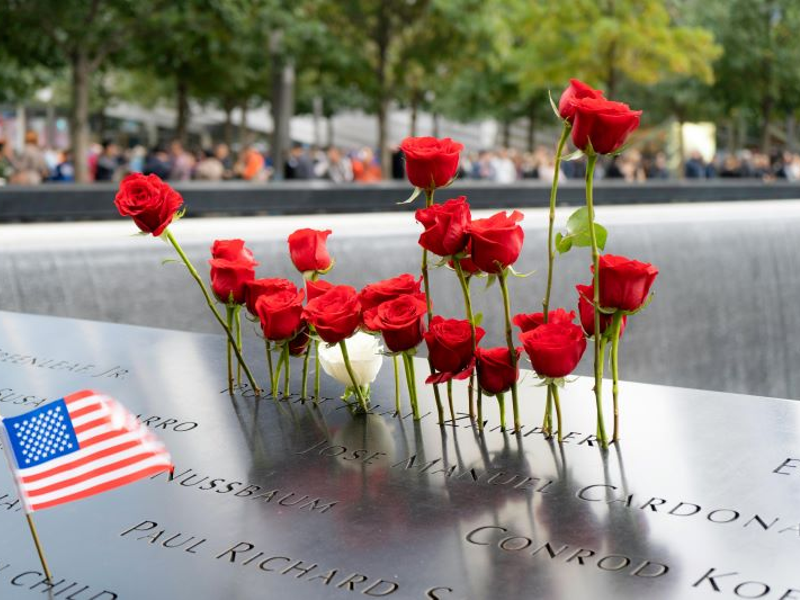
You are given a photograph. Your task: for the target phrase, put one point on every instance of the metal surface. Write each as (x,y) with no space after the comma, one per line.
(696,488)
(72,201)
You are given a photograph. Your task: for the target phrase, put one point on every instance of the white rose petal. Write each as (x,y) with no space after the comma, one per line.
(365,355)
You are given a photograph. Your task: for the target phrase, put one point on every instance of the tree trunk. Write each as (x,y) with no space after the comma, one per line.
(437,125)
(531,129)
(791,132)
(766,115)
(182,117)
(79,115)
(383,139)
(412,131)
(227,130)
(243,135)
(317,105)
(331,131)
(681,150)
(506,134)
(382,38)
(282,110)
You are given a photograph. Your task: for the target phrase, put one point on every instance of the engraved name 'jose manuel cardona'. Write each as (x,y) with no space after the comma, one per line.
(247,555)
(246,491)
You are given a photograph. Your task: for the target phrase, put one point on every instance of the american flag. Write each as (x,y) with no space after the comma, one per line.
(78,446)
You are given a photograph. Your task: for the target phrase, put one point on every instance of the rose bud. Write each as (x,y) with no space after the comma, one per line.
(308,250)
(375,294)
(364,351)
(449,344)
(603,123)
(335,315)
(253,290)
(400,321)
(555,349)
(496,374)
(445,227)
(624,283)
(314,289)
(533,320)
(299,343)
(586,310)
(280,314)
(430,162)
(496,241)
(149,201)
(229,278)
(232,250)
(575,91)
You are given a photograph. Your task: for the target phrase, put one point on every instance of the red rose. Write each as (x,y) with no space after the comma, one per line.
(400,321)
(604,123)
(586,310)
(534,320)
(624,283)
(336,314)
(467,265)
(430,162)
(315,289)
(232,250)
(555,349)
(149,201)
(496,241)
(445,227)
(375,294)
(308,250)
(280,314)
(299,343)
(575,91)
(229,278)
(256,288)
(496,374)
(449,344)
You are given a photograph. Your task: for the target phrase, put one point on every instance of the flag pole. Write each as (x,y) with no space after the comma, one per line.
(34,533)
(39,547)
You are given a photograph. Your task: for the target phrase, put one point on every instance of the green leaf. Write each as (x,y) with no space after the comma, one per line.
(477,319)
(167,261)
(442,262)
(520,275)
(578,232)
(573,155)
(417,191)
(490,281)
(554,106)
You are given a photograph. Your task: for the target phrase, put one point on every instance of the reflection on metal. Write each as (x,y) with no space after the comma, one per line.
(292,500)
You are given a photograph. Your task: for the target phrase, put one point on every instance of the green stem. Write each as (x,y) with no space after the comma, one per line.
(598,365)
(276,376)
(551,252)
(429,305)
(229,311)
(396,384)
(238,314)
(616,327)
(501,278)
(268,351)
(411,381)
(462,279)
(356,388)
(450,400)
(557,402)
(196,276)
(501,401)
(306,359)
(316,370)
(547,424)
(480,410)
(600,424)
(287,371)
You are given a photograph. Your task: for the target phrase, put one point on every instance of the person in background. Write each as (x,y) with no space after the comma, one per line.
(136,159)
(365,167)
(250,165)
(181,162)
(30,165)
(339,167)
(298,163)
(482,168)
(223,155)
(65,170)
(398,163)
(656,168)
(695,166)
(209,168)
(157,163)
(505,171)
(6,166)
(108,162)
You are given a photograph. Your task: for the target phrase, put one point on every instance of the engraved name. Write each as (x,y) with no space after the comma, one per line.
(36,581)
(94,371)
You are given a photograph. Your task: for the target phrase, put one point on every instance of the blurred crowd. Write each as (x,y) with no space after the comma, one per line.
(110,162)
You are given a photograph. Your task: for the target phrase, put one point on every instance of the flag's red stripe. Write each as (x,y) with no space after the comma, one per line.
(120,464)
(102,438)
(80,462)
(104,487)
(79,396)
(74,414)
(91,425)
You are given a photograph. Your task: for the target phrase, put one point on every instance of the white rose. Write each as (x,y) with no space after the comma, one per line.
(364,351)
